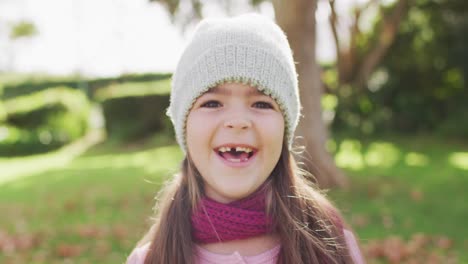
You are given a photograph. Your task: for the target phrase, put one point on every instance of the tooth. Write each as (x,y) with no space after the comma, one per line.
(248,150)
(228,148)
(239,149)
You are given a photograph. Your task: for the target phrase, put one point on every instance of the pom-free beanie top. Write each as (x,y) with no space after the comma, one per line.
(249,49)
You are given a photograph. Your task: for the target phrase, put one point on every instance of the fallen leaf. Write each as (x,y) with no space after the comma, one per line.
(359,220)
(68,250)
(444,242)
(416,195)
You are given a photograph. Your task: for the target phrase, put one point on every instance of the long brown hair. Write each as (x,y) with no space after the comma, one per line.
(309,226)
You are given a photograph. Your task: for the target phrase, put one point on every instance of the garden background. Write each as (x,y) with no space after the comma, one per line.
(82,157)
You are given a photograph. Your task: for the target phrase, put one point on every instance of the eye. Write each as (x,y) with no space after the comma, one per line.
(263,105)
(211,104)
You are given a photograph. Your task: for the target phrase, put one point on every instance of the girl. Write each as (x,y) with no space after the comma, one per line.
(240,197)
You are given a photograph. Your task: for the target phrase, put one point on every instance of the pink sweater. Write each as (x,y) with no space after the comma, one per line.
(270,256)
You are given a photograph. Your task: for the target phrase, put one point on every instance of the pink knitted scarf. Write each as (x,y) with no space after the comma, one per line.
(217,222)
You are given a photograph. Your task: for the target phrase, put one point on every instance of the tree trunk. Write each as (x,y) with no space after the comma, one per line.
(297,19)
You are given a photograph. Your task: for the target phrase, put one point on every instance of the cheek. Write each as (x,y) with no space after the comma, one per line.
(199,131)
(273,130)
(194,129)
(273,136)
(277,144)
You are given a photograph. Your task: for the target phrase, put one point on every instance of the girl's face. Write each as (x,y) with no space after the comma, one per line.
(234,137)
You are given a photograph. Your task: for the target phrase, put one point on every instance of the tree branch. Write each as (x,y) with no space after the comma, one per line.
(390,26)
(333,19)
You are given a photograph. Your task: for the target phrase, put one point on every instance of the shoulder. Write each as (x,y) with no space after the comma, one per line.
(353,247)
(348,235)
(138,254)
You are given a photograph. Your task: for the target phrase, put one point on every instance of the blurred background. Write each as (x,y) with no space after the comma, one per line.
(85,144)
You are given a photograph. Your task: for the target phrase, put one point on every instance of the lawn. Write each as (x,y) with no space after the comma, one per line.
(408,197)
(91,202)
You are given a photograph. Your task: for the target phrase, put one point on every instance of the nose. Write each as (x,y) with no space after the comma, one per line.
(238,123)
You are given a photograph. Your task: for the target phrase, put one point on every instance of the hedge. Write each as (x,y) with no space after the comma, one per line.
(43,121)
(135,117)
(89,86)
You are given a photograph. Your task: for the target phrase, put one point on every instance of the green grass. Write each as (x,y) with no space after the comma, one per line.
(92,204)
(406,186)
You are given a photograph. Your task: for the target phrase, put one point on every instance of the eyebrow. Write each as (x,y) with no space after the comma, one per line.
(224,91)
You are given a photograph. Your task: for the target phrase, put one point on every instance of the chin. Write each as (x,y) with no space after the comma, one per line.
(231,193)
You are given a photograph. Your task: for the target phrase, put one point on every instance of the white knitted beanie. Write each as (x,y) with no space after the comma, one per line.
(247,49)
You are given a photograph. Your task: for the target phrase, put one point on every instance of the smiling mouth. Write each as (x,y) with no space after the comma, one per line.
(236,154)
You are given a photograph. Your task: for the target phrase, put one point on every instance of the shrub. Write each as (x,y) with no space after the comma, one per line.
(455,125)
(134,117)
(43,121)
(2,113)
(90,86)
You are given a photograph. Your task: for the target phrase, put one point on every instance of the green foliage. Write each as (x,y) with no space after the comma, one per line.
(120,114)
(134,89)
(23,29)
(15,141)
(42,118)
(3,114)
(43,121)
(14,87)
(455,125)
(422,82)
(147,101)
(64,96)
